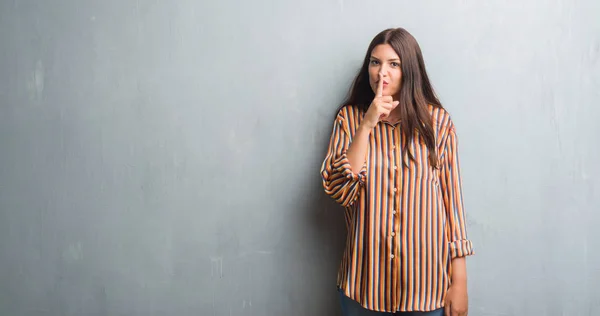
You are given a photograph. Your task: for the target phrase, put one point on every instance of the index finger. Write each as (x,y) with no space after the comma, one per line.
(379,92)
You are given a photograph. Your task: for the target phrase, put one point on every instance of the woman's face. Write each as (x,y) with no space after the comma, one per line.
(384,60)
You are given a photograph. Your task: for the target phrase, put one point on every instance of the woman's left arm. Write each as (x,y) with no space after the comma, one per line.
(451,185)
(459,244)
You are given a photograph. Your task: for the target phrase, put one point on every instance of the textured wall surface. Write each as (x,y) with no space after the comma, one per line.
(162,157)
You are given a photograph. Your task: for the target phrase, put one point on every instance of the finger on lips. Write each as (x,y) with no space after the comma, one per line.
(380,86)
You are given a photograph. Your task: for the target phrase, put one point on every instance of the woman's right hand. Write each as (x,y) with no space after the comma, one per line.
(380,108)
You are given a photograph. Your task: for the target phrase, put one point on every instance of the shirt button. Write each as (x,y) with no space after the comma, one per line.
(394,212)
(393,234)
(395,167)
(392,256)
(395,189)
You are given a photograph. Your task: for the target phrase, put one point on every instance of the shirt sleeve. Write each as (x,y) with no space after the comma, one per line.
(451,185)
(339,181)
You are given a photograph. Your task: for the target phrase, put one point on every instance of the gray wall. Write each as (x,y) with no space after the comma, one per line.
(162,158)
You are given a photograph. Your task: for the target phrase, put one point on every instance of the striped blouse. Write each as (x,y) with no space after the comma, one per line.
(405,224)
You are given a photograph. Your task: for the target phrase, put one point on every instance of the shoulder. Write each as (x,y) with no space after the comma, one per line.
(349,112)
(442,120)
(348,118)
(443,125)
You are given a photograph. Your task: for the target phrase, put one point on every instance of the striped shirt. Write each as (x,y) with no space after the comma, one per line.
(405,224)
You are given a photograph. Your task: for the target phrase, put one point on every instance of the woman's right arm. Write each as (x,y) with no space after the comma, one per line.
(357,152)
(344,169)
(379,108)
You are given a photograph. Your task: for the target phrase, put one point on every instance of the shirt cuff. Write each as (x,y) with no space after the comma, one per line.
(461,248)
(344,167)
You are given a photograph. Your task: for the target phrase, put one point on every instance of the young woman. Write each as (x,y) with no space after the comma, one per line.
(392,163)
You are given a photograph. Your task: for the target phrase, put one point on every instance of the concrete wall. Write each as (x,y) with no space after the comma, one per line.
(162,157)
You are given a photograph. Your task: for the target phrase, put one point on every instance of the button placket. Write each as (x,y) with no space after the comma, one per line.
(393,171)
(397,197)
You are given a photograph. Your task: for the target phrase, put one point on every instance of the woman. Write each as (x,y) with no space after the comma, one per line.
(392,163)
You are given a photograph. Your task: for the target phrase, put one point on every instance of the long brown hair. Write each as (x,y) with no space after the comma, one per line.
(416,92)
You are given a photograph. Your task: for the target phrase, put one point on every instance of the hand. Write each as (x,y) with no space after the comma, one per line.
(457,302)
(381,106)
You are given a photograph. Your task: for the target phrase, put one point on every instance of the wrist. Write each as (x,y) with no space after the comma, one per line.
(459,282)
(459,271)
(365,128)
